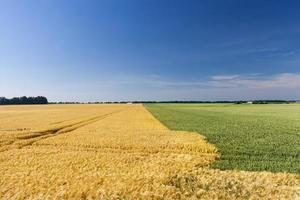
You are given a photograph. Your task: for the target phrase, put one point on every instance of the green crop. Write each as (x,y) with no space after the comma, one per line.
(249,137)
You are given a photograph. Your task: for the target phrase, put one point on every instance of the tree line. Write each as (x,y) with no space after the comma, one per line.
(265,102)
(204,102)
(23,100)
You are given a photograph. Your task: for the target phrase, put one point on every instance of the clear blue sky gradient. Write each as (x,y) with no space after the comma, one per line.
(150,49)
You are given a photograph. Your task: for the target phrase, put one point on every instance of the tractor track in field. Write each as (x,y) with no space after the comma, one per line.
(33,137)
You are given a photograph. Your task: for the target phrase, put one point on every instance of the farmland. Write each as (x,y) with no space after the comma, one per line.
(118,152)
(249,137)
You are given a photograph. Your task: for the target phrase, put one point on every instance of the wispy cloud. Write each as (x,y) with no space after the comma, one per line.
(224,77)
(262,52)
(280,81)
(256,81)
(282,53)
(217,87)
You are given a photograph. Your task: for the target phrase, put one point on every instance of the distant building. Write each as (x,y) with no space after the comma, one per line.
(249,102)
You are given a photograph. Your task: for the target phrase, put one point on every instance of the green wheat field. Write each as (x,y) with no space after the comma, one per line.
(249,137)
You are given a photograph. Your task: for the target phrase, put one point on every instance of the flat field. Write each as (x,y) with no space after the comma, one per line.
(117,152)
(249,137)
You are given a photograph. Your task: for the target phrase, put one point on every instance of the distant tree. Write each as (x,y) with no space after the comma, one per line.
(270,101)
(23,100)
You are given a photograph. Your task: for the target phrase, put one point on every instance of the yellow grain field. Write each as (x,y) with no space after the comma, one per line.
(117,152)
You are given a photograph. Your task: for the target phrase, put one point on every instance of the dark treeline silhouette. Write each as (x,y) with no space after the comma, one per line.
(265,102)
(183,101)
(271,101)
(43,100)
(236,102)
(124,102)
(144,102)
(23,100)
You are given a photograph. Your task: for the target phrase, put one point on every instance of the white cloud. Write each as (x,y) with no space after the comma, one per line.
(254,81)
(218,87)
(224,77)
(279,81)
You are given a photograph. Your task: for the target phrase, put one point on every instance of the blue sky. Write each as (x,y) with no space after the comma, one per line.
(150,49)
